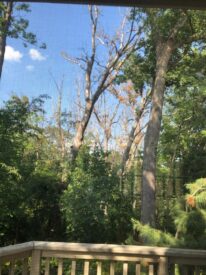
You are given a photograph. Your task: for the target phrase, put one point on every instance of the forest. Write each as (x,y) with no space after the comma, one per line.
(126,164)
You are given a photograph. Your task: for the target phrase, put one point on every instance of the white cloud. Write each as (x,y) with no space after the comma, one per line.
(36,55)
(30,68)
(12,55)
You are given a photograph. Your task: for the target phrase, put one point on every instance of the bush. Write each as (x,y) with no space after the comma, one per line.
(94,209)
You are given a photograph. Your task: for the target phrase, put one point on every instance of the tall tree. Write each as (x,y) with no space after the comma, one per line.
(171,32)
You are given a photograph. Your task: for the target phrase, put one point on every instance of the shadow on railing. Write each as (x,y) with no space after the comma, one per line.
(50,258)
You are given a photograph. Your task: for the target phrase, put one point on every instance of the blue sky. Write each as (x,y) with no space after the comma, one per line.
(63,28)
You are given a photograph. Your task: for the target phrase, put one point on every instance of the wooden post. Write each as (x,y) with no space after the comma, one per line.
(151,269)
(73,271)
(86,268)
(60,267)
(99,268)
(138,269)
(35,262)
(125,268)
(163,266)
(111,268)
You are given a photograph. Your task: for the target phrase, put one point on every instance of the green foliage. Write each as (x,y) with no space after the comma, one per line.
(29,192)
(18,24)
(181,151)
(191,232)
(191,229)
(42,195)
(188,217)
(94,208)
(154,237)
(195,224)
(197,194)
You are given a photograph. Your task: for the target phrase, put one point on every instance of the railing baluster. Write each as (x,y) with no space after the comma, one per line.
(112,269)
(35,262)
(138,269)
(73,271)
(197,270)
(86,268)
(47,266)
(60,267)
(125,268)
(99,268)
(151,269)
(25,266)
(163,266)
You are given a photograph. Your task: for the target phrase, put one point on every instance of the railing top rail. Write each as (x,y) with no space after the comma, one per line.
(15,249)
(85,248)
(120,249)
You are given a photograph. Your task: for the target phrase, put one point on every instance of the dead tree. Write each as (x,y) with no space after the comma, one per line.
(106,120)
(137,102)
(58,117)
(100,74)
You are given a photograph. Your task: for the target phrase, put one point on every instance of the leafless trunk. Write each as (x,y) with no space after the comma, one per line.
(58,116)
(134,140)
(135,135)
(60,131)
(82,125)
(6,19)
(106,121)
(59,126)
(135,146)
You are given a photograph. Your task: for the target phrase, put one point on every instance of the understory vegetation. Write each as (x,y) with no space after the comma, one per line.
(47,197)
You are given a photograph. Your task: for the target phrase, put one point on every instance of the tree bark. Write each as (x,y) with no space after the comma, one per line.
(163,54)
(135,136)
(107,137)
(79,136)
(4,31)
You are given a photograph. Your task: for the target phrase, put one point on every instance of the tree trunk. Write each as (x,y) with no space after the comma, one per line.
(106,143)
(2,51)
(79,137)
(134,150)
(5,27)
(125,155)
(135,136)
(163,54)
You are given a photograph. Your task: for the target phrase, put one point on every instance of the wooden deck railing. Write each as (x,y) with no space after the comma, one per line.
(50,258)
